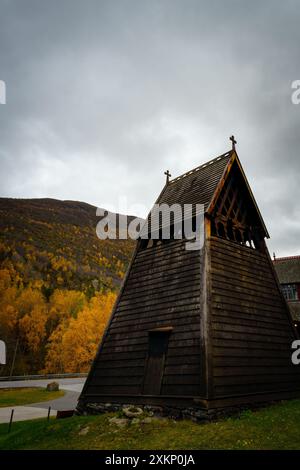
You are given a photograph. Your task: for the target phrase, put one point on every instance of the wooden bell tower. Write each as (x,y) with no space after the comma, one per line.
(204,329)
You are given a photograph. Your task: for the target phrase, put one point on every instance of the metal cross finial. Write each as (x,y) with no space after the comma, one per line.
(233,142)
(168,175)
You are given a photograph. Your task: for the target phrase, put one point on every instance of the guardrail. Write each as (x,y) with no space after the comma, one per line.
(41,376)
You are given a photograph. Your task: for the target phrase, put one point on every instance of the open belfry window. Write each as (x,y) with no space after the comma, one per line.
(158,340)
(235,215)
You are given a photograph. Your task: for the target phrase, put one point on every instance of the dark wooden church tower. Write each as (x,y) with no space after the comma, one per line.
(203,329)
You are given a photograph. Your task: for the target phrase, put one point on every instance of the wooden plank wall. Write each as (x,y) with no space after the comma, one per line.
(162,289)
(251,333)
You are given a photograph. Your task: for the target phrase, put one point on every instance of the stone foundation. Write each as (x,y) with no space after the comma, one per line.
(194,414)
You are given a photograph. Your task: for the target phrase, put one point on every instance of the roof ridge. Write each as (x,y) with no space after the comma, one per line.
(194,170)
(284,258)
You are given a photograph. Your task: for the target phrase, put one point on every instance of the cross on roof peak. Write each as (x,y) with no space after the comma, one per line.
(168,175)
(233,142)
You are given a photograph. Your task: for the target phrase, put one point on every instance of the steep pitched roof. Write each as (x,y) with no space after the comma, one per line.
(197,185)
(202,185)
(288,269)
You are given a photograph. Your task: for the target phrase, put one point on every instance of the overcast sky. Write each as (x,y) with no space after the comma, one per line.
(103,96)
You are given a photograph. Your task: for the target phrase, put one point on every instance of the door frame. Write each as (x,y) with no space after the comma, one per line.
(166,330)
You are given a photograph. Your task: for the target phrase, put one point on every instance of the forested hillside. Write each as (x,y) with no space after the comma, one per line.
(58,282)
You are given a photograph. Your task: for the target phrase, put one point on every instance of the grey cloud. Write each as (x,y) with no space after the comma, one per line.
(103,96)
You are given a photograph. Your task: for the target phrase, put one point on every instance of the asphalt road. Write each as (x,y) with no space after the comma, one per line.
(72,388)
(74,385)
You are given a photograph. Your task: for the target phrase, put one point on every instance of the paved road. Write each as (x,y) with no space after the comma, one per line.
(74,385)
(22,413)
(72,388)
(67,402)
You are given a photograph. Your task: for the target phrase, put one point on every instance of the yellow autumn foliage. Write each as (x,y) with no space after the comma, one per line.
(8,309)
(58,335)
(73,344)
(65,303)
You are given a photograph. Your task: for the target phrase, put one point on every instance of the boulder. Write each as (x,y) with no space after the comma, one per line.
(154,410)
(52,387)
(84,431)
(136,421)
(147,420)
(120,422)
(132,411)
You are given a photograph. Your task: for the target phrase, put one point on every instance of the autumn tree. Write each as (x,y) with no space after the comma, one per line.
(64,304)
(8,308)
(72,346)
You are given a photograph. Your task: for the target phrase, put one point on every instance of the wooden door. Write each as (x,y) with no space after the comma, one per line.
(158,345)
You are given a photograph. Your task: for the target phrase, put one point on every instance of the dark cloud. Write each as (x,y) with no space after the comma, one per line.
(103,96)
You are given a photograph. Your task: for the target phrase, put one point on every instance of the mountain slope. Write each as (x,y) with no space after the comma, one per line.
(54,243)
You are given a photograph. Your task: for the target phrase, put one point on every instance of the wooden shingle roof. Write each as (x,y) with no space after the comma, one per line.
(288,269)
(201,186)
(197,186)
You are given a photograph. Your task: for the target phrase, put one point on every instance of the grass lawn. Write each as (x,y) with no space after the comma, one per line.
(25,396)
(275,427)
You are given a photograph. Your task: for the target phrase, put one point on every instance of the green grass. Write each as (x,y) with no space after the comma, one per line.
(275,427)
(25,396)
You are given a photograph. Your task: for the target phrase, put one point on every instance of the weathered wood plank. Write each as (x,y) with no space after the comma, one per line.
(179,290)
(182,369)
(260,371)
(183,360)
(249,338)
(181,390)
(230,273)
(161,282)
(111,391)
(187,270)
(250,361)
(225,350)
(238,292)
(183,379)
(228,304)
(164,300)
(241,318)
(246,389)
(250,285)
(220,294)
(234,261)
(249,344)
(252,330)
(124,371)
(133,380)
(142,320)
(119,363)
(142,329)
(163,307)
(256,379)
(141,337)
